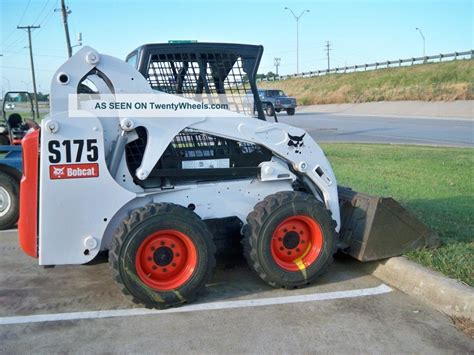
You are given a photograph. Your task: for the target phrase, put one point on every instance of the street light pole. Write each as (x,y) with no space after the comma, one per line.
(423,37)
(26,85)
(297,18)
(3,90)
(8,81)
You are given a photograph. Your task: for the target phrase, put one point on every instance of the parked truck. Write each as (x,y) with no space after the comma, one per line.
(276,101)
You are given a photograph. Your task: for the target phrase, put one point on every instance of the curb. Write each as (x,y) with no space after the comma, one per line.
(442,293)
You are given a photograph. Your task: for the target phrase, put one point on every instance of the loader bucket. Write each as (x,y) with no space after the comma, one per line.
(376,228)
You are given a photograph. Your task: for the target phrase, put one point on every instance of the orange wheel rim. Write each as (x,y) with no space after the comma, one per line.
(296,243)
(165,260)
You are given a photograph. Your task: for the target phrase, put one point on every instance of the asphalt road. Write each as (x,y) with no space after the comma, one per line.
(346,311)
(325,127)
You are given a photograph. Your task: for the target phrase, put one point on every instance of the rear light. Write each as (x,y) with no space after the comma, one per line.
(28,222)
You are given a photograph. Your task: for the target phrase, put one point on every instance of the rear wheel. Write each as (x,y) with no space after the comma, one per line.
(9,191)
(290,111)
(289,239)
(162,255)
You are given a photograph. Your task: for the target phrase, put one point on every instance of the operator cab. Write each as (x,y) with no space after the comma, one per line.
(191,69)
(220,71)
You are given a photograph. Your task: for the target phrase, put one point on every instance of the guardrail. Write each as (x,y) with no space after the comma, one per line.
(377,65)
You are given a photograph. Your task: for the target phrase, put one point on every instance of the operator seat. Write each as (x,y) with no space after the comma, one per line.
(16,128)
(14,121)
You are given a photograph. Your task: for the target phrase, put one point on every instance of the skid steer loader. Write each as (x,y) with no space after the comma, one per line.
(145,188)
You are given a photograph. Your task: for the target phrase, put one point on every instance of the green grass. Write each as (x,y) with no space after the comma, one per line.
(427,82)
(437,184)
(27,115)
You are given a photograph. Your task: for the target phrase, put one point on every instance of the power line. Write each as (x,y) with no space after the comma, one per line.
(24,12)
(41,11)
(20,39)
(7,37)
(21,68)
(36,54)
(44,21)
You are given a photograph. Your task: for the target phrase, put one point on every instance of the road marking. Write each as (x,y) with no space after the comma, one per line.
(211,306)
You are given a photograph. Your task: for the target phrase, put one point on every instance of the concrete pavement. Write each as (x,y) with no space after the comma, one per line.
(387,322)
(337,127)
(442,109)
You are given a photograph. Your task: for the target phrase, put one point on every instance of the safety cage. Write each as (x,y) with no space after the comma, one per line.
(211,69)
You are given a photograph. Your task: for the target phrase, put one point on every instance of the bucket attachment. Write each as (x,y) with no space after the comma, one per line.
(376,228)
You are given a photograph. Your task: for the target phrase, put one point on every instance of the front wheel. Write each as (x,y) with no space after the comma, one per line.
(162,255)
(270,110)
(289,239)
(290,111)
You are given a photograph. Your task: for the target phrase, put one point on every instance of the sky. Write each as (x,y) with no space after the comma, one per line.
(359,32)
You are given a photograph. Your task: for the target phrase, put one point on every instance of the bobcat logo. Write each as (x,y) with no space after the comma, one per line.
(296,142)
(58,172)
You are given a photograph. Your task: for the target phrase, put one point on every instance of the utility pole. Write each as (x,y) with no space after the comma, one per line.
(328,48)
(65,12)
(29,28)
(276,62)
(297,18)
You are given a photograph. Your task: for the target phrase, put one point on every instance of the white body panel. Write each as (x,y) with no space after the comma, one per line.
(78,216)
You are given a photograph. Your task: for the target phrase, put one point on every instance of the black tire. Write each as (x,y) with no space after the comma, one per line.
(131,241)
(290,111)
(278,110)
(9,200)
(270,110)
(267,219)
(4,140)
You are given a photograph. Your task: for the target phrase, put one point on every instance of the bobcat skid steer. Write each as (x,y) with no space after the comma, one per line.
(146,188)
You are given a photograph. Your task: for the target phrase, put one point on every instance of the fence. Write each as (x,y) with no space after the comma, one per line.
(376,65)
